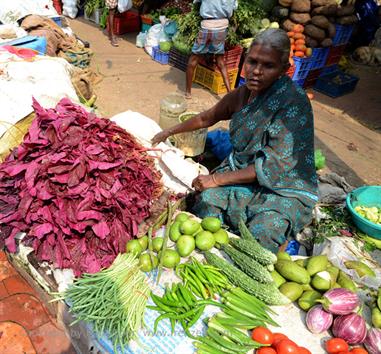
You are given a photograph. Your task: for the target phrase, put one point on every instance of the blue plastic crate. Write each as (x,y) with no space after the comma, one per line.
(330,69)
(343,34)
(300,82)
(57,20)
(159,56)
(241,82)
(336,84)
(319,57)
(145,27)
(302,68)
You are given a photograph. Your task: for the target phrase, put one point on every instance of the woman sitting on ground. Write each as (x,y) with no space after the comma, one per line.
(269,179)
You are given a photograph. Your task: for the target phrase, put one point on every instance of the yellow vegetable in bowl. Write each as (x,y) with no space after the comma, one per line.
(372,214)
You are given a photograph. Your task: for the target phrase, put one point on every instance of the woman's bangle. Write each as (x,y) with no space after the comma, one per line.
(214,179)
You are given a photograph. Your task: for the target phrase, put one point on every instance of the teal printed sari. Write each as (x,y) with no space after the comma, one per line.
(274,133)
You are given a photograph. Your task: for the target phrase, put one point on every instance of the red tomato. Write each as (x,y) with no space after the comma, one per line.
(262,335)
(303,350)
(358,351)
(336,345)
(286,346)
(265,350)
(346,352)
(278,337)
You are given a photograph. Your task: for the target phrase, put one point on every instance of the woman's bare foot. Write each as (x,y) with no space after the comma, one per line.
(114,42)
(188,95)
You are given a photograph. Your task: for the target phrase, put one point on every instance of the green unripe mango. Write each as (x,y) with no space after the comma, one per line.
(283,255)
(322,281)
(361,268)
(334,273)
(308,299)
(307,287)
(376,317)
(181,217)
(291,271)
(301,262)
(345,282)
(278,279)
(174,231)
(291,290)
(317,264)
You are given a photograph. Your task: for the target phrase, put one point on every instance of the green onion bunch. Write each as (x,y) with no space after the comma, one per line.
(113,300)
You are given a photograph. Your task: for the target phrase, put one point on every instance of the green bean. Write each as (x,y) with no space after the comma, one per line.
(206,349)
(165,241)
(158,319)
(229,345)
(157,301)
(196,317)
(200,286)
(185,294)
(150,247)
(173,324)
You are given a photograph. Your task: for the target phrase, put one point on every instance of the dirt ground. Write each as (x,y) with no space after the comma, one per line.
(347,129)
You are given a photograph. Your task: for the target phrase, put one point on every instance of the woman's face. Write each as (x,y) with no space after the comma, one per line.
(262,67)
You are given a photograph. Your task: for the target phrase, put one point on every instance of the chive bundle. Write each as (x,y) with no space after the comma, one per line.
(113,300)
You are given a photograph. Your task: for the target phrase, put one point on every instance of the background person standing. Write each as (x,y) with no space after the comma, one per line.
(111,6)
(211,37)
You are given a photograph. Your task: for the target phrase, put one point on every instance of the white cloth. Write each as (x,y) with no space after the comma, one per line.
(178,172)
(10,32)
(13,10)
(46,78)
(216,25)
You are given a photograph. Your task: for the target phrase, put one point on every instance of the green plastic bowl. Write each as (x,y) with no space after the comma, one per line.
(368,196)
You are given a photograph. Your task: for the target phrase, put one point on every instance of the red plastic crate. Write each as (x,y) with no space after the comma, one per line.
(232,59)
(126,22)
(311,78)
(57,4)
(146,19)
(335,54)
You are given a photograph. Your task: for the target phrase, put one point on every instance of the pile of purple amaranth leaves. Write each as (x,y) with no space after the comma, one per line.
(78,186)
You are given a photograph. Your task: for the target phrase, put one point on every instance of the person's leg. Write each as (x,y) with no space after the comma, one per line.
(192,63)
(110,21)
(270,228)
(222,67)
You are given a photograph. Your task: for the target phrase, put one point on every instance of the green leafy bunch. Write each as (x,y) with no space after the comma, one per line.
(189,26)
(92,5)
(246,21)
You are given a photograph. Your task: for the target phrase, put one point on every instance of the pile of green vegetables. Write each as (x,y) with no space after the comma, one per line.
(186,234)
(112,300)
(251,267)
(245,23)
(185,302)
(226,330)
(305,280)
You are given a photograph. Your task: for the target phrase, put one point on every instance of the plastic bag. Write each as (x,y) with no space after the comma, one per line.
(152,39)
(69,8)
(141,39)
(342,249)
(218,141)
(124,5)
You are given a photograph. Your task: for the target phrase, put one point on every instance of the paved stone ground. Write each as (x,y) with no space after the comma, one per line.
(26,327)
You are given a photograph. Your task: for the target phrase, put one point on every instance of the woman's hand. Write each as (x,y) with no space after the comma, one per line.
(160,137)
(203,182)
